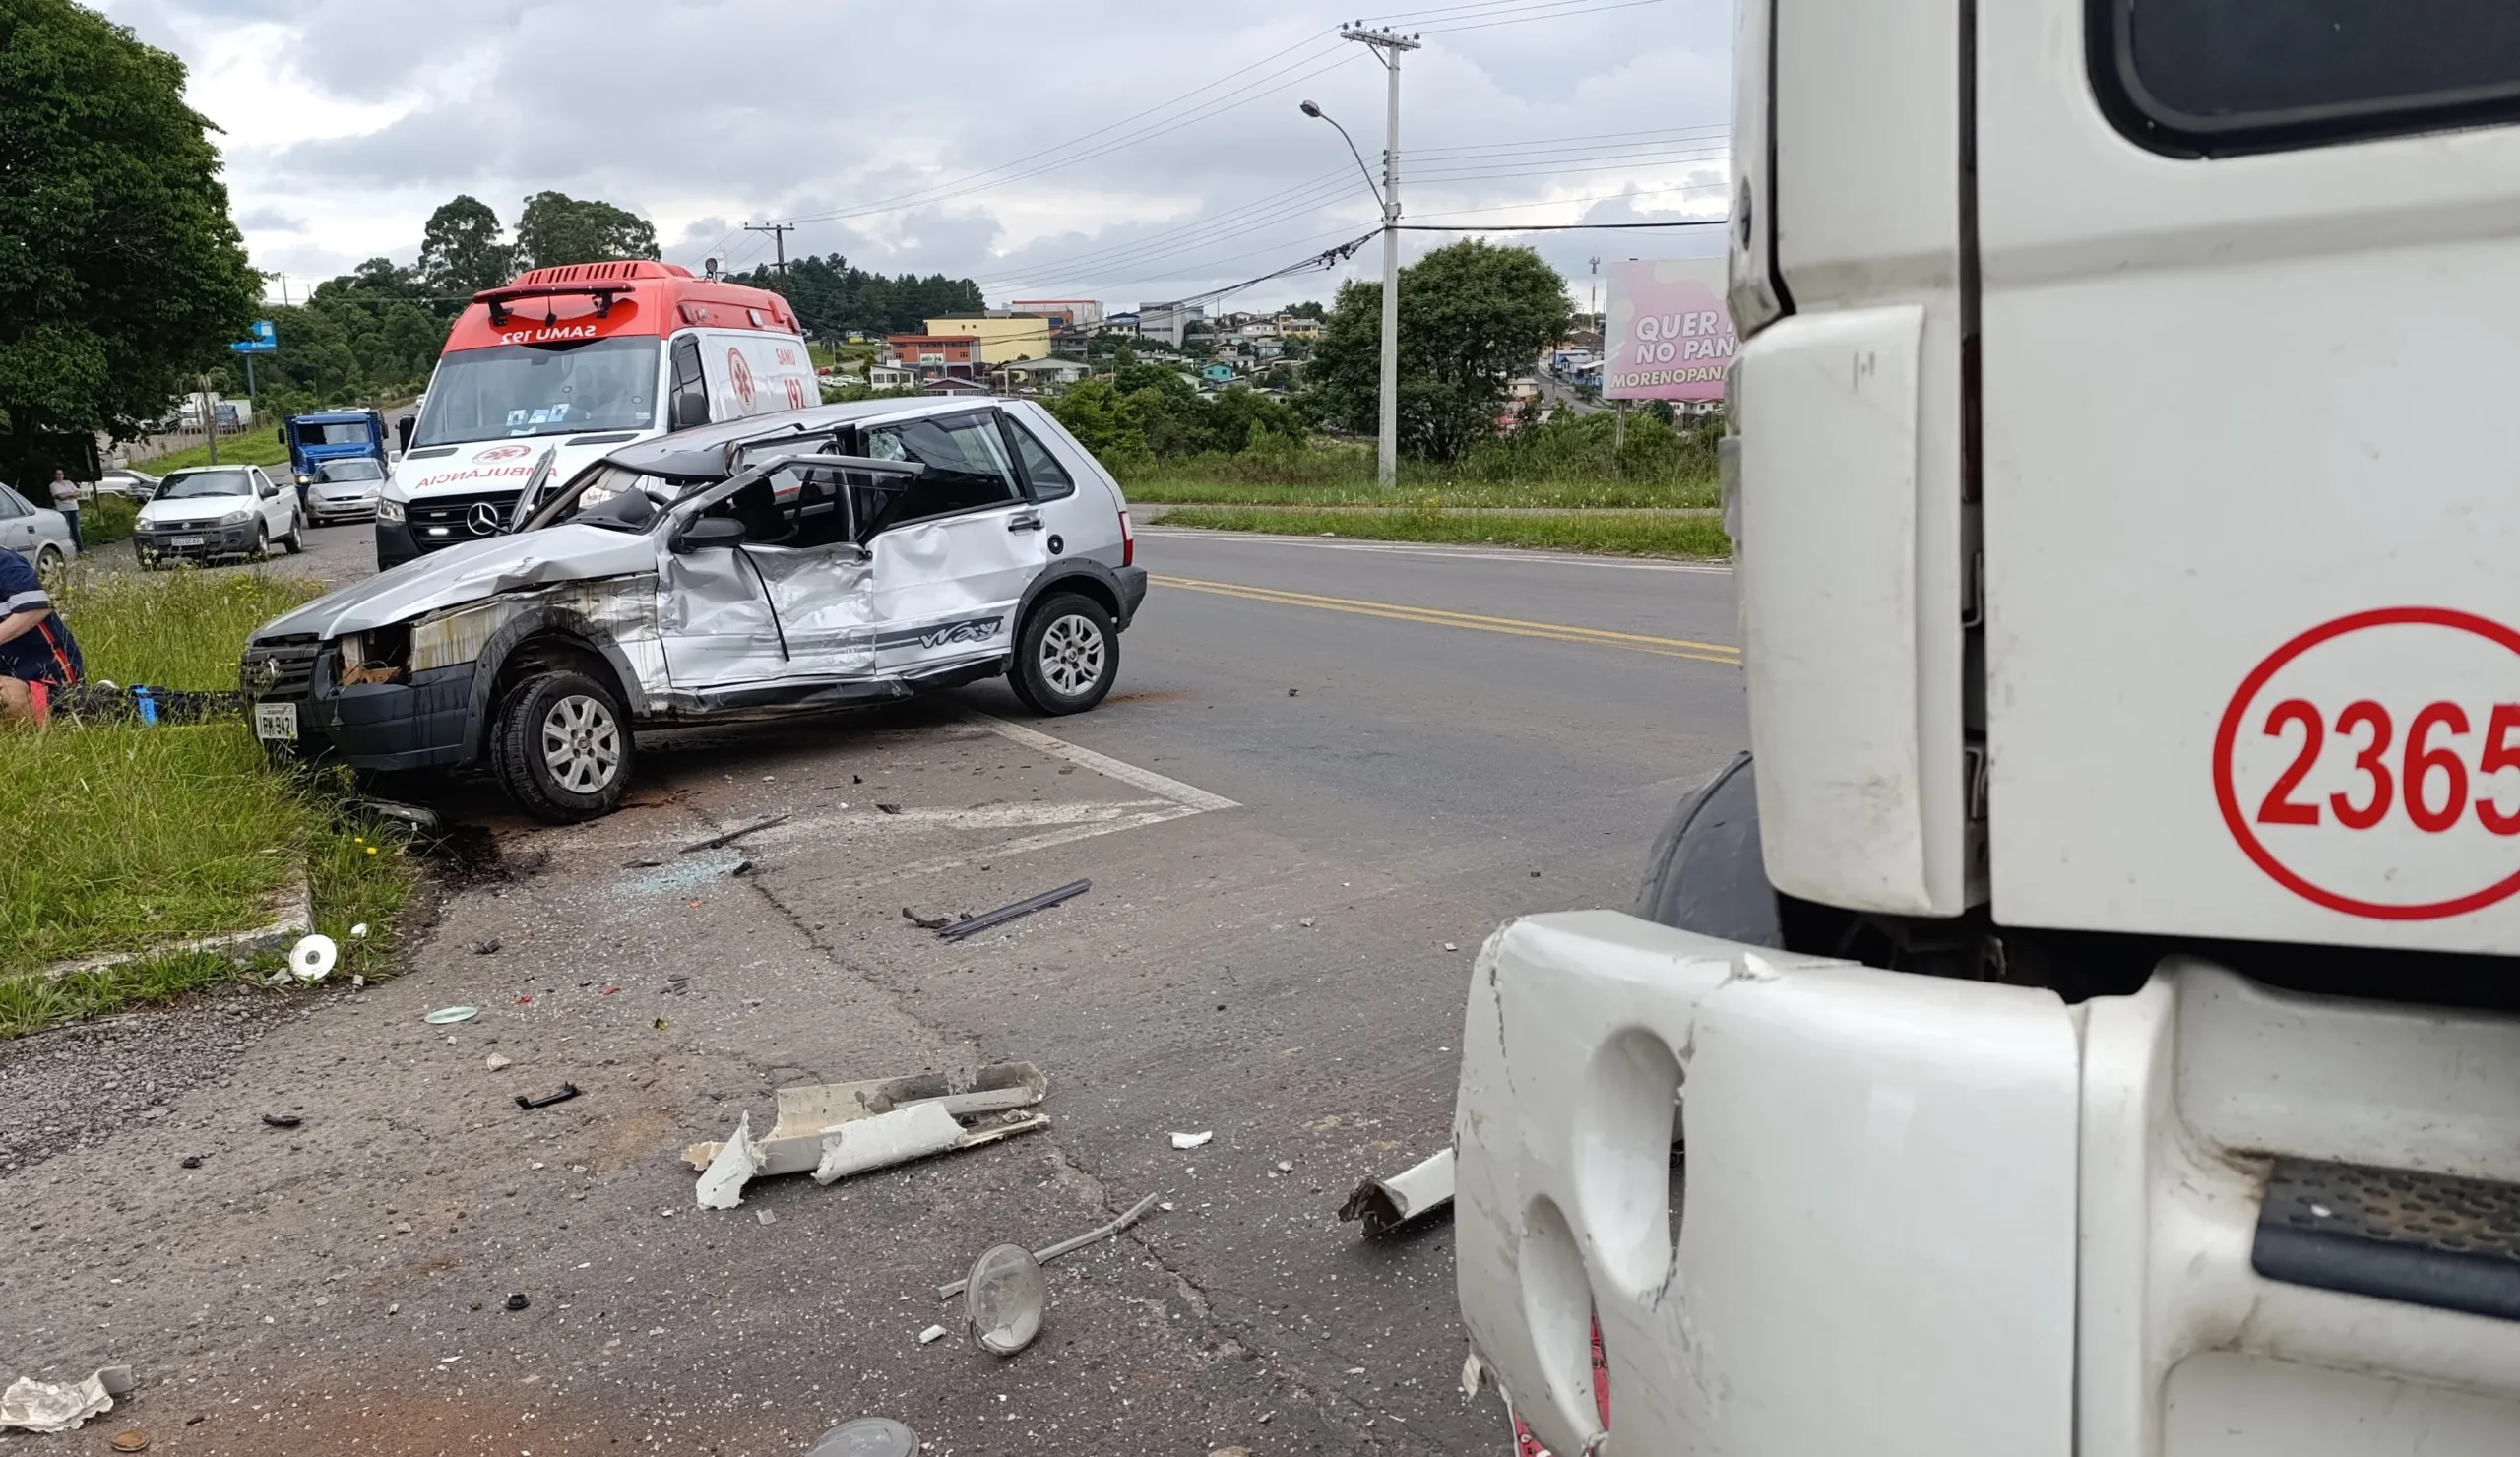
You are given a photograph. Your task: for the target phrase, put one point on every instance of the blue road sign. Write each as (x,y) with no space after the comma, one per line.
(263,340)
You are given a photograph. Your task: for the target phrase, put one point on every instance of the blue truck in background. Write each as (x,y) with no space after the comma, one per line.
(332,435)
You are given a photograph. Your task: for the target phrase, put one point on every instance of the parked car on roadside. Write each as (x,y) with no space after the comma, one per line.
(122,481)
(812,559)
(344,490)
(38,534)
(207,513)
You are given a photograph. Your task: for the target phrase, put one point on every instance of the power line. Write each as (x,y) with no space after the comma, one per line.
(1552,14)
(1559,226)
(1302,195)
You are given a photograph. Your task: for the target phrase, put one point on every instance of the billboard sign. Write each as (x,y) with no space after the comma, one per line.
(1667,334)
(263,342)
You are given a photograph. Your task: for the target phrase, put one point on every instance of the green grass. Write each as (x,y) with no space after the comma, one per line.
(1608,532)
(126,837)
(105,519)
(255,447)
(1553,472)
(1420,494)
(183,628)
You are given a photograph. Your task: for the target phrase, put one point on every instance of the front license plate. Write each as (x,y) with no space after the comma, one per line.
(275,721)
(188,541)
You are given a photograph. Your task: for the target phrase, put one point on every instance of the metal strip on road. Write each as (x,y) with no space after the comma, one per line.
(1599,637)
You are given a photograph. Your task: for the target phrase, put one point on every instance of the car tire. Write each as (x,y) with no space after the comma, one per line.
(560,745)
(1066,655)
(262,541)
(296,540)
(48,559)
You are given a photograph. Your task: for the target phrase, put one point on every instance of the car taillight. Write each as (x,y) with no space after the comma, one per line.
(1128,542)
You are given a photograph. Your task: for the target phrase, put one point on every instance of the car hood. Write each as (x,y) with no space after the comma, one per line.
(190,509)
(469,573)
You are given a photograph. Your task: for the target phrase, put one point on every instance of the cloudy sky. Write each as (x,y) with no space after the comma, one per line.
(1122,150)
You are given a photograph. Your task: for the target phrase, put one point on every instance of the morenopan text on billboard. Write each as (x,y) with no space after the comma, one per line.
(1668,335)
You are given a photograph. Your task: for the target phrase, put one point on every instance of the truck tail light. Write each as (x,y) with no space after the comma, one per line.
(1128,542)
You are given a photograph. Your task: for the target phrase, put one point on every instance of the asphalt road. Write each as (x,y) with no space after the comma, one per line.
(1329,770)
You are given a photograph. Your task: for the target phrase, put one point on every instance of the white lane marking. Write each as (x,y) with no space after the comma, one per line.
(1195,799)
(1445,554)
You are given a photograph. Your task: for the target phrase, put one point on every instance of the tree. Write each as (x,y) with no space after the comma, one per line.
(1472,316)
(832,296)
(460,250)
(557,229)
(1310,308)
(120,270)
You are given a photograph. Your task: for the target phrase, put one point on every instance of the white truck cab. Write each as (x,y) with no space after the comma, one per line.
(2084,1023)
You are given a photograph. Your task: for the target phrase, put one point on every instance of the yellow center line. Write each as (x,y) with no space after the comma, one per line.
(1599,637)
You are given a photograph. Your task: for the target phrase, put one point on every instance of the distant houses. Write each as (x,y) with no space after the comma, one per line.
(1043,346)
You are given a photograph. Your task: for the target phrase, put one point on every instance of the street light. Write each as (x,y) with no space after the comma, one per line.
(1387,447)
(1315,112)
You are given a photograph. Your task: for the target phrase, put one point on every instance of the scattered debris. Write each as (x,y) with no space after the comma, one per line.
(191,1161)
(926,922)
(358,981)
(1385,1204)
(717,842)
(48,1406)
(567,1091)
(807,1111)
(517,1301)
(312,958)
(418,817)
(643,864)
(863,1145)
(676,984)
(1286,1165)
(730,1168)
(496,1063)
(1192,1140)
(1295,692)
(933,1333)
(1449,946)
(282,1120)
(443,1016)
(867,1436)
(488,947)
(130,1440)
(742,867)
(1473,1372)
(1231,1451)
(358,932)
(890,808)
(766,1216)
(1096,1236)
(1306,922)
(1004,914)
(1004,1298)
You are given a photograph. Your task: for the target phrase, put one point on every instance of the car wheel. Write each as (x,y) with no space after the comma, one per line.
(1066,655)
(49,560)
(296,540)
(561,748)
(262,540)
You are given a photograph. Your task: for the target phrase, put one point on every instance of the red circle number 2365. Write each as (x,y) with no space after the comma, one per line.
(2361,764)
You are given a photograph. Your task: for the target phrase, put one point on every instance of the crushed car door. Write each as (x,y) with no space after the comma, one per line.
(711,609)
(954,552)
(803,548)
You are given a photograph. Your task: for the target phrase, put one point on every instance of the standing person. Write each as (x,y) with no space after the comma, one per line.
(65,499)
(38,654)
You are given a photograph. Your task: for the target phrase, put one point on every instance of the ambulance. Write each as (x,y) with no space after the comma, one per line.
(573,363)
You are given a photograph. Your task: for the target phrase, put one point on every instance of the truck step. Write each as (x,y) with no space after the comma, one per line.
(2393,1235)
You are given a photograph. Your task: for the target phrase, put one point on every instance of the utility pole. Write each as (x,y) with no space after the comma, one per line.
(1388,46)
(778,239)
(1598,322)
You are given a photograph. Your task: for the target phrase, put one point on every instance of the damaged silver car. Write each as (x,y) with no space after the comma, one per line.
(779,564)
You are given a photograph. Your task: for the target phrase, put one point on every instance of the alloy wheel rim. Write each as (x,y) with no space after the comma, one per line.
(1071,655)
(581,743)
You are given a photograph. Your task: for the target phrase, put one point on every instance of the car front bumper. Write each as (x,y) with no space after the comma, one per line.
(215,541)
(419,724)
(357,508)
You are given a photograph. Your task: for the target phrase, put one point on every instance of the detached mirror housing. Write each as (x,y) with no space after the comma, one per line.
(707,532)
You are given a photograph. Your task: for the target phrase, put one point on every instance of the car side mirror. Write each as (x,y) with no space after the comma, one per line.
(709,531)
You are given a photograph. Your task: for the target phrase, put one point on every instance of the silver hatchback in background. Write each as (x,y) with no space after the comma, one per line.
(848,554)
(344,490)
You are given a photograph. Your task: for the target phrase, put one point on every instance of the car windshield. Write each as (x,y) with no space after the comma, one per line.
(351,471)
(206,484)
(533,389)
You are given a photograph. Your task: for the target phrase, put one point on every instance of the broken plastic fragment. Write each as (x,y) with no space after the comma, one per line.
(312,958)
(1191,1140)
(896,1137)
(1385,1204)
(933,1333)
(1003,1299)
(807,1110)
(48,1406)
(722,1184)
(444,1015)
(867,1436)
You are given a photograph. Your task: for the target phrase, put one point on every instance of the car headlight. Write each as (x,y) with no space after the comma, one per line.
(387,510)
(237,518)
(305,479)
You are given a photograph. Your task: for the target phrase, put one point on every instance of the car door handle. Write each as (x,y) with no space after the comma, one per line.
(1027,521)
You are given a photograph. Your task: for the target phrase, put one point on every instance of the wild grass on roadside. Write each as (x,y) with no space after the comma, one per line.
(104,521)
(255,447)
(1609,533)
(1416,491)
(184,628)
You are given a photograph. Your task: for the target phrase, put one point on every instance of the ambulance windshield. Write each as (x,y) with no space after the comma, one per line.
(536,389)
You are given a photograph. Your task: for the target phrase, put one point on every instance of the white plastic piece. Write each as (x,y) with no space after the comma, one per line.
(359,931)
(896,1137)
(1191,1140)
(29,1405)
(722,1184)
(933,1333)
(313,957)
(795,1143)
(1385,1204)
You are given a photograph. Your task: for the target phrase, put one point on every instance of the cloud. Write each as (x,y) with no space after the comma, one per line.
(1110,148)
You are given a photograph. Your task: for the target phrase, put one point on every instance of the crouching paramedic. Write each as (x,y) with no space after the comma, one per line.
(37,656)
